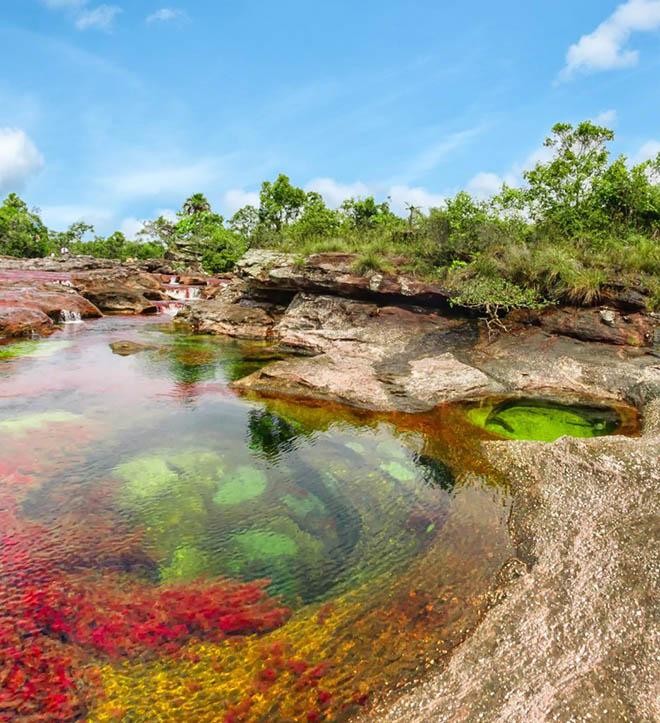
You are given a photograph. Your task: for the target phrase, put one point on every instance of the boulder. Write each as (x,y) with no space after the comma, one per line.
(17,321)
(232,313)
(120,290)
(48,300)
(33,310)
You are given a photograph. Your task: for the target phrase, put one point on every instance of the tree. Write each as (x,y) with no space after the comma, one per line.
(559,191)
(197,203)
(280,203)
(22,232)
(245,221)
(365,213)
(316,220)
(627,198)
(160,231)
(199,236)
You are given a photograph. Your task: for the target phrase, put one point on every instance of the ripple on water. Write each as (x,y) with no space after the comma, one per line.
(171,551)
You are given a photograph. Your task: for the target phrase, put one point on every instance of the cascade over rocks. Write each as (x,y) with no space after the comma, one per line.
(34,309)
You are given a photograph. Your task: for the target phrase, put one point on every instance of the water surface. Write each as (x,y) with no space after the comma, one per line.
(172,551)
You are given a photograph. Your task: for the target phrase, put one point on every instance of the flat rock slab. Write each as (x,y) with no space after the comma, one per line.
(334,273)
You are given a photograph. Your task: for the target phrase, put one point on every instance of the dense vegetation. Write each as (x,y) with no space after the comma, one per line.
(578,222)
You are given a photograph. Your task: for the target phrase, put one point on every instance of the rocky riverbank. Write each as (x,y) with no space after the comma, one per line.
(571,634)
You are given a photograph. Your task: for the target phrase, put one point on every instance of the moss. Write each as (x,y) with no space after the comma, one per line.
(263,545)
(32,349)
(243,485)
(145,477)
(33,422)
(544,421)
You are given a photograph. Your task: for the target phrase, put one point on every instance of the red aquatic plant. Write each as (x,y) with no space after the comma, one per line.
(59,613)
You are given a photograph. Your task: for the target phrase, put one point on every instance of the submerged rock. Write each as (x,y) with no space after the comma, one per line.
(128,348)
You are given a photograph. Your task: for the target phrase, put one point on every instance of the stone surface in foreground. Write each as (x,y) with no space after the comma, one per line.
(576,637)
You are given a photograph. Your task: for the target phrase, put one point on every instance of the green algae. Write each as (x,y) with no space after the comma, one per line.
(291,558)
(243,485)
(304,504)
(544,421)
(35,422)
(32,349)
(400,472)
(187,563)
(262,545)
(169,494)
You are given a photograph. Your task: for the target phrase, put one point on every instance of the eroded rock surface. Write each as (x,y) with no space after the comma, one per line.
(33,310)
(605,325)
(575,637)
(334,273)
(120,290)
(233,313)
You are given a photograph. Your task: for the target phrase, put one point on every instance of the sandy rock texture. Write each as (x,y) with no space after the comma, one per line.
(575,636)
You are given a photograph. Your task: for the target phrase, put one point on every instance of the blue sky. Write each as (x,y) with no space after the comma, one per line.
(115,112)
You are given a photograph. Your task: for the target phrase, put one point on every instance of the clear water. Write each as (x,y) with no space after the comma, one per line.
(172,551)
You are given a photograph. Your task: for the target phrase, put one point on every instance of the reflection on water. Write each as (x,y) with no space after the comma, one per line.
(170,551)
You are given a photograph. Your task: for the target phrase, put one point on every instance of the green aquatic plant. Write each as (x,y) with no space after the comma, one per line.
(170,494)
(186,563)
(32,349)
(293,559)
(34,422)
(270,434)
(544,421)
(244,484)
(400,471)
(304,504)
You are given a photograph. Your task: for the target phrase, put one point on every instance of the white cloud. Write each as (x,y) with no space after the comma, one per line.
(335,193)
(236,198)
(647,152)
(101,17)
(402,196)
(484,185)
(167,213)
(165,15)
(62,216)
(181,180)
(19,158)
(607,118)
(131,226)
(431,156)
(605,47)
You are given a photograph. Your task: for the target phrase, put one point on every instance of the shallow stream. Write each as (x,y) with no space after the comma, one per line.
(172,551)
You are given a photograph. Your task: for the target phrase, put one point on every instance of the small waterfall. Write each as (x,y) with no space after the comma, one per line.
(185,293)
(173,281)
(70,317)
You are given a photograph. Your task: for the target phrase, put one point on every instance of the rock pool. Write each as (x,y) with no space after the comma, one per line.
(172,551)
